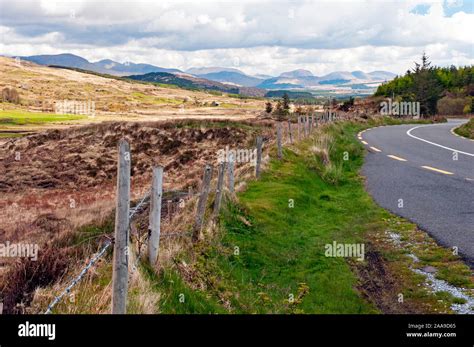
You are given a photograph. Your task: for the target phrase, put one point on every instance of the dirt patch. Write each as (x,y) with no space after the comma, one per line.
(382,285)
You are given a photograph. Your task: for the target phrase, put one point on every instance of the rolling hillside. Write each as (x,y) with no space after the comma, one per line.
(40,88)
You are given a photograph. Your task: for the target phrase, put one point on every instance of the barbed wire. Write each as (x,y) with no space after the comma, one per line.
(133,211)
(78,278)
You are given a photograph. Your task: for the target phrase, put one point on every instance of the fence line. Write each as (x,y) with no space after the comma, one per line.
(153,198)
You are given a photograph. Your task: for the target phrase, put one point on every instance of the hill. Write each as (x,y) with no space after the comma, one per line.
(191,82)
(232,77)
(40,88)
(103,66)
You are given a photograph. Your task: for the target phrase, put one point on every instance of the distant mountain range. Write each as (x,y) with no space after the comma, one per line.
(230,80)
(304,79)
(106,66)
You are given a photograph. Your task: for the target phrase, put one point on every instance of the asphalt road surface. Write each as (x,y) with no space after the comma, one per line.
(425,174)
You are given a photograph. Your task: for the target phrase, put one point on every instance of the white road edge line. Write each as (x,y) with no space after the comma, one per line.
(433,143)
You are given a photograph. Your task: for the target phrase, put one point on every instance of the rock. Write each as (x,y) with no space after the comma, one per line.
(430,269)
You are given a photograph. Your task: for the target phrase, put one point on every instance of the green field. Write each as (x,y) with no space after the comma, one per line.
(19,120)
(20,117)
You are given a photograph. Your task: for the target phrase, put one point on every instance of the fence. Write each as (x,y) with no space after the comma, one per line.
(124,214)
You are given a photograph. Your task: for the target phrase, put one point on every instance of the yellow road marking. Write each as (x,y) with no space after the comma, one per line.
(365,143)
(437,170)
(396,158)
(375,149)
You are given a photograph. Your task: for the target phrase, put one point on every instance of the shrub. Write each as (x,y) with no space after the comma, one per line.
(452,106)
(10,95)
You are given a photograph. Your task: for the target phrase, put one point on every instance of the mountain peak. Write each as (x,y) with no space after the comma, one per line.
(297,73)
(211,69)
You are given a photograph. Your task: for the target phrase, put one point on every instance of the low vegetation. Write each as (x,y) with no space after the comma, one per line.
(10,95)
(466,130)
(20,117)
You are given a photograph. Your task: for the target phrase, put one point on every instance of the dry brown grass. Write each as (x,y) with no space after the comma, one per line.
(40,87)
(95,204)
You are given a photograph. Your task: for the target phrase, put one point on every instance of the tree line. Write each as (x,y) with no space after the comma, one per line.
(445,90)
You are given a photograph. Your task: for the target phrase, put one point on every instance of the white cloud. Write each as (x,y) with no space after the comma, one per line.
(264,36)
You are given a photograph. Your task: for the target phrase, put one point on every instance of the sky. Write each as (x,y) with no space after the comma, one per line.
(257,37)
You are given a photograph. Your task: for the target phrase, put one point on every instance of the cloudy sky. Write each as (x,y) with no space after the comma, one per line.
(267,37)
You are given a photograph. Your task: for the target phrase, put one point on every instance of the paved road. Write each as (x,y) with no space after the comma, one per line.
(417,163)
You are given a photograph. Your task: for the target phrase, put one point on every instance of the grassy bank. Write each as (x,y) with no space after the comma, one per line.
(267,253)
(466,130)
(269,256)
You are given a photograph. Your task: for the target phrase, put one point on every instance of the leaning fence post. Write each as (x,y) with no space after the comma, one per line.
(259,156)
(120,257)
(201,207)
(155,214)
(289,131)
(279,141)
(219,188)
(231,167)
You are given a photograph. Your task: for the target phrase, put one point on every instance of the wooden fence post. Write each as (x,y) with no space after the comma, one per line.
(289,131)
(155,214)
(219,188)
(259,156)
(201,207)
(279,152)
(231,168)
(299,128)
(121,249)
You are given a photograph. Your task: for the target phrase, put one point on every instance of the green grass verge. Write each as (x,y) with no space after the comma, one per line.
(270,256)
(466,130)
(20,117)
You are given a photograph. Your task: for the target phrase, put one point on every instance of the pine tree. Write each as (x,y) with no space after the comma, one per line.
(426,88)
